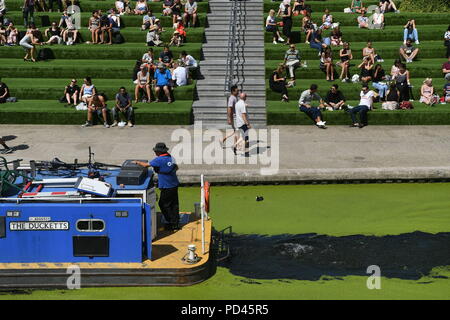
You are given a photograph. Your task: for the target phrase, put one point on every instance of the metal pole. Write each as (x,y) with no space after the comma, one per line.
(202,210)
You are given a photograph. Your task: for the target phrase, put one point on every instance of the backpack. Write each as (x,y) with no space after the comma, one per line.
(405,105)
(117,38)
(45,54)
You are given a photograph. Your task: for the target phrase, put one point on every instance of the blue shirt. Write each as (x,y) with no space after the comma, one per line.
(164,165)
(162,78)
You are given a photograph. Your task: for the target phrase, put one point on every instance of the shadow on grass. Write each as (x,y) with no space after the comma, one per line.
(312,256)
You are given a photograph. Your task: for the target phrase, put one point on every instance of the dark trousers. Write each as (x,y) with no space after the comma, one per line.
(28,12)
(403,88)
(362,110)
(168,203)
(58,2)
(312,112)
(447,44)
(279,87)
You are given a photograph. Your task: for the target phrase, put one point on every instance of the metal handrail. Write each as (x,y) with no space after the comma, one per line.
(231,51)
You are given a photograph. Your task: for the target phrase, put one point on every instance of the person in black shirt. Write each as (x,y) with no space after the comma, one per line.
(278,83)
(287,22)
(334,100)
(71,92)
(53,34)
(4,92)
(378,77)
(166,57)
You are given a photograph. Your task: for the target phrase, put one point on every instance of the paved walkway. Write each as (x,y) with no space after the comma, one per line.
(305,152)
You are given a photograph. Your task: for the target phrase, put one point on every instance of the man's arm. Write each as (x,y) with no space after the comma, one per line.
(142,163)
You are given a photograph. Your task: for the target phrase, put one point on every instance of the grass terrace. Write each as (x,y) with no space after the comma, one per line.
(431,28)
(38,86)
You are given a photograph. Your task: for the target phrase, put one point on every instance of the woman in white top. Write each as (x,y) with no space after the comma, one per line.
(272,26)
(327,20)
(143,82)
(141,7)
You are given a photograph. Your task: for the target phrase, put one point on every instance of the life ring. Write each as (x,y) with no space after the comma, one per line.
(206,187)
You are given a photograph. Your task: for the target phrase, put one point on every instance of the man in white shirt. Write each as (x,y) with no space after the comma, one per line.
(188,61)
(179,74)
(242,122)
(365,104)
(232,100)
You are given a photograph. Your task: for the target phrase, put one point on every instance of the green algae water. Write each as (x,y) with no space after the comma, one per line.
(406,227)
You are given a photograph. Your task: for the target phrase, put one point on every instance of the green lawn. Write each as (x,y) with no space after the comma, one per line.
(337,210)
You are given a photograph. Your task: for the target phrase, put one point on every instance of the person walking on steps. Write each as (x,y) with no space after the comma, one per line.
(166,168)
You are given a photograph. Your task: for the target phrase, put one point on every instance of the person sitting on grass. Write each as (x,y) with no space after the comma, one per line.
(408,52)
(377,20)
(148,20)
(357,6)
(447,41)
(410,32)
(427,95)
(365,104)
(178,35)
(392,98)
(4,92)
(326,64)
(11,35)
(167,7)
(162,82)
(153,34)
(148,57)
(403,83)
(96,104)
(190,12)
(179,74)
(327,20)
(188,62)
(366,72)
(106,27)
(363,21)
(277,83)
(336,37)
(272,26)
(446,95)
(299,7)
(378,81)
(346,56)
(177,8)
(120,7)
(2,34)
(53,34)
(87,90)
(123,106)
(94,26)
(305,106)
(334,100)
(292,60)
(446,69)
(143,82)
(141,7)
(308,27)
(71,93)
(369,51)
(166,57)
(387,6)
(316,41)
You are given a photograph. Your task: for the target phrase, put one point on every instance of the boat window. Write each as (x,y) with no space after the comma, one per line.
(90,225)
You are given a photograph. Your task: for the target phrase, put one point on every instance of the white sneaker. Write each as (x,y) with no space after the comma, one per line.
(114,124)
(417,42)
(274,42)
(281,39)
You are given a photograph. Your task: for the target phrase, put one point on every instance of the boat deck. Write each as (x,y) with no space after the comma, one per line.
(165,268)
